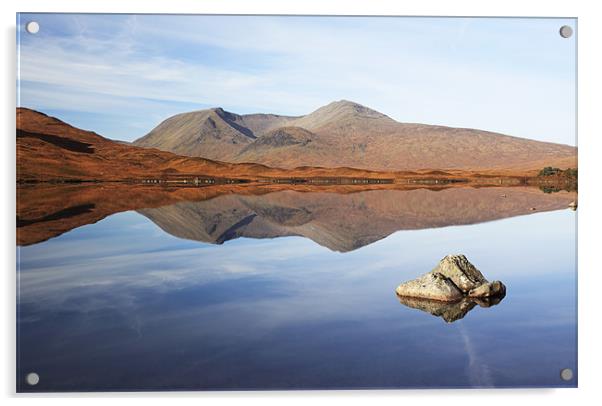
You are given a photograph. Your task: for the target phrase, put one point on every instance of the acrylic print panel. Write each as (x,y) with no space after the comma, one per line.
(295,202)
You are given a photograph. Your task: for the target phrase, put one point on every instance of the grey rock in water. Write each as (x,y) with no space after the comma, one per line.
(433,285)
(453,279)
(493,289)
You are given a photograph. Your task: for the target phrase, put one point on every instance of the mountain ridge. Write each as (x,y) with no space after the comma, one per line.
(51,150)
(346,133)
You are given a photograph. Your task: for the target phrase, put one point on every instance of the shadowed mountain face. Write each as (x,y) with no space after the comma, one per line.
(345,222)
(210,132)
(345,133)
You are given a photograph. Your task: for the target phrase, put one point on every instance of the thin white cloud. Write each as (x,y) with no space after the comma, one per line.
(478,371)
(292,66)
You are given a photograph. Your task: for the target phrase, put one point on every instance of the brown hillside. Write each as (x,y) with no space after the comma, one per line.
(349,134)
(49,149)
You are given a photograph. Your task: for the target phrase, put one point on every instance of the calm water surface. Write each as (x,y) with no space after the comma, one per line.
(123,305)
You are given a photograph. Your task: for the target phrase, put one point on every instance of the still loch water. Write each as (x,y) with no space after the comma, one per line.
(138,301)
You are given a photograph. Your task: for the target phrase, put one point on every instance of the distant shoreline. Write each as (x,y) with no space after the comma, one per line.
(319,183)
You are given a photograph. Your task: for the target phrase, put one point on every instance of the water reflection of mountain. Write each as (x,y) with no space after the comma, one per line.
(345,222)
(340,218)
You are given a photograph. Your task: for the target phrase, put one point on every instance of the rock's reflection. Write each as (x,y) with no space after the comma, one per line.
(449,311)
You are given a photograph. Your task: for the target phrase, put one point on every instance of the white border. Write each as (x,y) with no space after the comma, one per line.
(590,112)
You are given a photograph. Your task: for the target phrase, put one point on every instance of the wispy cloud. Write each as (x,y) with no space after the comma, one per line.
(478,372)
(501,75)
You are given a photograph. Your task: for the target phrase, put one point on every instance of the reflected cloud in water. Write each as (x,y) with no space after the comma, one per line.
(116,297)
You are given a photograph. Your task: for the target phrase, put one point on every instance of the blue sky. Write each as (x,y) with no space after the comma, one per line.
(120,75)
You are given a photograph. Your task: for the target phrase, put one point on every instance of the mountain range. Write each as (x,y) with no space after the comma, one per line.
(50,150)
(347,134)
